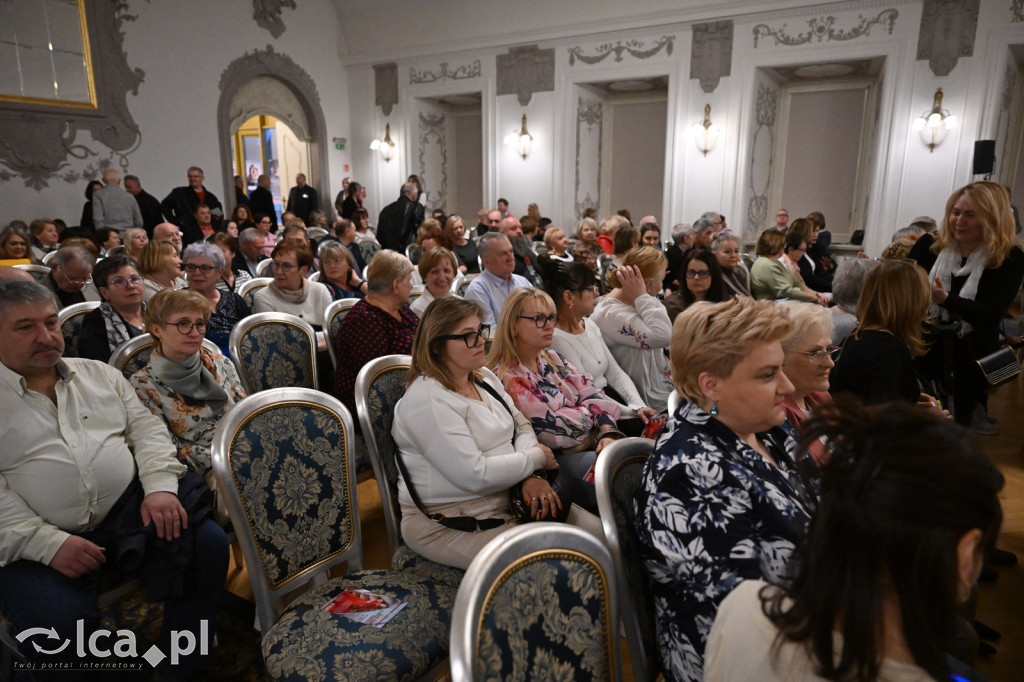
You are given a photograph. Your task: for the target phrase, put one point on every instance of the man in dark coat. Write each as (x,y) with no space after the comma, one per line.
(302,199)
(148,204)
(241,199)
(180,205)
(398,222)
(261,201)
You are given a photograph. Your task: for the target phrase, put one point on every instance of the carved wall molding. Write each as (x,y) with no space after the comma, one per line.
(267,14)
(37,139)
(385,86)
(524,71)
(471,70)
(633,48)
(268,95)
(764,114)
(432,130)
(947,33)
(589,113)
(824,29)
(1016,11)
(711,53)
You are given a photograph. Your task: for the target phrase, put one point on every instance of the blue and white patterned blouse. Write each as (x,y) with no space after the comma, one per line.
(712,512)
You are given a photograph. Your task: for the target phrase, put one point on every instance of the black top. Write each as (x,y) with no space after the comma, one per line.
(814,277)
(180,205)
(348,207)
(876,367)
(468,254)
(397,223)
(302,201)
(92,339)
(149,206)
(262,201)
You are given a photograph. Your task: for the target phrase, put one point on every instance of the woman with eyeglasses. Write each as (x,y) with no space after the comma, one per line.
(571,286)
(204,265)
(702,277)
(462,443)
(291,292)
(568,412)
(264,225)
(160,266)
(120,315)
(183,383)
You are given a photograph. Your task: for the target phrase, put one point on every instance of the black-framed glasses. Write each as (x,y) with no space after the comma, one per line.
(186,326)
(471,339)
(820,353)
(122,283)
(541,320)
(192,267)
(698,274)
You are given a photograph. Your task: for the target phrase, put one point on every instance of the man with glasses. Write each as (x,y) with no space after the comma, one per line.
(70,277)
(498,279)
(782,220)
(180,205)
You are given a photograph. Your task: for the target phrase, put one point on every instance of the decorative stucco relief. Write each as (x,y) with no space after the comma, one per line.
(947,33)
(432,129)
(385,86)
(633,48)
(1016,11)
(762,157)
(524,71)
(268,95)
(267,14)
(824,29)
(711,55)
(589,115)
(471,70)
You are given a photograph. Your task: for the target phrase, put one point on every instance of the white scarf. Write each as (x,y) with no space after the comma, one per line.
(947,266)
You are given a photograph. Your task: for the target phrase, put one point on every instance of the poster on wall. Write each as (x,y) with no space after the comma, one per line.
(253,161)
(273,166)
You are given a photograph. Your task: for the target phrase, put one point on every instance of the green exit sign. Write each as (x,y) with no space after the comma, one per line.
(339,145)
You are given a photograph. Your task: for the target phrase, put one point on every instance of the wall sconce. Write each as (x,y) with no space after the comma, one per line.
(385,145)
(934,125)
(521,140)
(705,133)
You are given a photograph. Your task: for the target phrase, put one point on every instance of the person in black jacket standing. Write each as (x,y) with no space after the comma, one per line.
(180,205)
(262,201)
(302,199)
(397,223)
(148,204)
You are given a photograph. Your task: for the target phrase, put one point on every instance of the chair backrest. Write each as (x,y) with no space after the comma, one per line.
(379,386)
(119,250)
(47,257)
(37,271)
(617,476)
(412,252)
(748,260)
(274,350)
(673,401)
(368,248)
(283,461)
(261,267)
(464,284)
(539,595)
(249,288)
(333,315)
(70,321)
(317,232)
(133,354)
(416,292)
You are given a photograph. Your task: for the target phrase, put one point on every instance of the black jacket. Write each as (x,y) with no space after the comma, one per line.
(302,201)
(398,222)
(152,215)
(262,201)
(179,206)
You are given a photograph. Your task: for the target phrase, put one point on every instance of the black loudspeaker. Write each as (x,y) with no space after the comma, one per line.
(984,156)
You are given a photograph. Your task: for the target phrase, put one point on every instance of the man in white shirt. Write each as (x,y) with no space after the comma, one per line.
(497,281)
(78,444)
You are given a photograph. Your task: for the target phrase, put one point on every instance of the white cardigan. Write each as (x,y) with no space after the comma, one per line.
(637,337)
(311,310)
(458,449)
(588,353)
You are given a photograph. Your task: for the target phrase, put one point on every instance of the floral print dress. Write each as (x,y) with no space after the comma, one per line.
(710,513)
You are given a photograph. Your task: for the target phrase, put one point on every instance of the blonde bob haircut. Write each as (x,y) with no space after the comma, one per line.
(168,302)
(154,255)
(895,297)
(715,337)
(434,257)
(992,206)
(504,354)
(441,317)
(770,243)
(551,234)
(805,319)
(650,260)
(386,267)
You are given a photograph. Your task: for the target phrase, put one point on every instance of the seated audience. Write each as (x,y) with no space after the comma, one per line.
(263,225)
(338,271)
(437,268)
(606,230)
(380,324)
(231,279)
(120,315)
(14,244)
(568,413)
(770,279)
(722,498)
(361,219)
(86,472)
(345,232)
(135,239)
(810,356)
(241,217)
(682,241)
(908,507)
(68,280)
(650,234)
(811,272)
(498,279)
(476,447)
(558,245)
(635,325)
(626,239)
(462,246)
(702,281)
(108,237)
(160,267)
(846,287)
(45,237)
(735,278)
(291,292)
(204,264)
(251,243)
(586,249)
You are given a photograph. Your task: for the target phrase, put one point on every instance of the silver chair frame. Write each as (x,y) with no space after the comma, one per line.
(464,284)
(261,267)
(132,347)
(245,324)
(254,283)
(339,307)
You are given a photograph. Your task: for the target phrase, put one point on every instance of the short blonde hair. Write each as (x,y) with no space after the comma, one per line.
(441,317)
(386,267)
(650,260)
(805,318)
(154,255)
(167,302)
(503,353)
(551,234)
(610,224)
(715,337)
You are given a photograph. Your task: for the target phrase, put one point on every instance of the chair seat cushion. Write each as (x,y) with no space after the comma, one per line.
(308,643)
(407,560)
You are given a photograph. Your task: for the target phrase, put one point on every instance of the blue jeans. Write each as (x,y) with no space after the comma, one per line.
(33,595)
(576,466)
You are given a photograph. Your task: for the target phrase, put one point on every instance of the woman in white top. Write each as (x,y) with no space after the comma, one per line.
(463,443)
(573,290)
(635,325)
(908,507)
(291,292)
(437,267)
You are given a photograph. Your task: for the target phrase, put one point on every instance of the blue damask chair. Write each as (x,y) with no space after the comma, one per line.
(333,315)
(538,602)
(617,476)
(249,288)
(283,460)
(133,354)
(379,386)
(70,321)
(274,350)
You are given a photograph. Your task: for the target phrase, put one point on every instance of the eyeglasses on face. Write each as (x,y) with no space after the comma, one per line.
(186,326)
(471,339)
(122,283)
(192,267)
(541,320)
(698,274)
(73,280)
(821,353)
(285,267)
